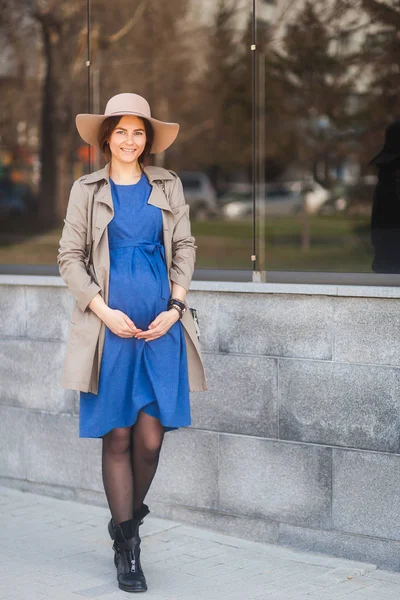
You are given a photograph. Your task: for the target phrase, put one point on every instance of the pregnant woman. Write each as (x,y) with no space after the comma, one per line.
(127,255)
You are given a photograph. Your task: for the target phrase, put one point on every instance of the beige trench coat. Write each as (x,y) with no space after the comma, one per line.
(85,279)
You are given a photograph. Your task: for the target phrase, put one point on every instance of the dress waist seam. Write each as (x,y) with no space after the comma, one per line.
(126,243)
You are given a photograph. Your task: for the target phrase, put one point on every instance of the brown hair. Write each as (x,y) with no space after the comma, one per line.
(108,126)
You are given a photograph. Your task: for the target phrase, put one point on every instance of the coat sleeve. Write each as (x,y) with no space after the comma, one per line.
(183,243)
(72,249)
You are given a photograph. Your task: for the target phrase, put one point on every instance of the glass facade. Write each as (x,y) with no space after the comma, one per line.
(282,106)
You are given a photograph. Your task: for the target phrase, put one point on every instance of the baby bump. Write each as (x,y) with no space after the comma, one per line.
(138,282)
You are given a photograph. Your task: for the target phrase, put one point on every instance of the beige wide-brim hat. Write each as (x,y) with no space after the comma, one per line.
(88,125)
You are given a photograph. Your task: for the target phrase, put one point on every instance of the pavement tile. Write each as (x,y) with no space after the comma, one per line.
(67,555)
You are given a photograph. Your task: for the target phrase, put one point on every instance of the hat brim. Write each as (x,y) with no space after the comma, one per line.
(383,157)
(165,134)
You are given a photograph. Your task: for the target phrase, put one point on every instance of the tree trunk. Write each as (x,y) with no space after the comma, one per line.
(48,162)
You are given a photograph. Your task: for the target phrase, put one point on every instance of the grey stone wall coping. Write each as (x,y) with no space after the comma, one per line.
(365,291)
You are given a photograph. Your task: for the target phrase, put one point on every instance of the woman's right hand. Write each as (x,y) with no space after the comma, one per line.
(119,323)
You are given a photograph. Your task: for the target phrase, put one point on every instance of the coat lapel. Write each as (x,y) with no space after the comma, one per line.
(103,207)
(158,198)
(103,212)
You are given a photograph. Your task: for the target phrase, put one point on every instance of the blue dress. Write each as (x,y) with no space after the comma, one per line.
(134,374)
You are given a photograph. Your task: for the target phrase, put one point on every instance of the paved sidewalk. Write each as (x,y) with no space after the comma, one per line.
(59,549)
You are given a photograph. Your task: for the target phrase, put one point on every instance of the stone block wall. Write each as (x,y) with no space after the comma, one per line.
(296,442)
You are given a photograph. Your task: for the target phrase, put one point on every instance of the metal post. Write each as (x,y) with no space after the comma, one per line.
(258,154)
(254,128)
(88,65)
(260,274)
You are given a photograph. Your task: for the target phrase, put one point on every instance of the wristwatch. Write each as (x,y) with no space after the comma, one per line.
(179,305)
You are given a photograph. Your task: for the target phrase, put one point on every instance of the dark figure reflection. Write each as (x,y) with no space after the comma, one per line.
(385,217)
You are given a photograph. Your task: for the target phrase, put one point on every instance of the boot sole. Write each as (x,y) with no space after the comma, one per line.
(129,589)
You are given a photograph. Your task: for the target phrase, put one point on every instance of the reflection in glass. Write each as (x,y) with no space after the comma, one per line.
(197,74)
(327,81)
(385,218)
(43,79)
(190,60)
(330,89)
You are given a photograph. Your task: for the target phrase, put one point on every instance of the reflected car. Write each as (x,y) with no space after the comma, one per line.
(235,205)
(346,196)
(13,200)
(314,193)
(281,199)
(200,194)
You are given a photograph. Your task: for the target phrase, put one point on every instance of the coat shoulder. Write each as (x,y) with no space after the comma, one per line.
(95,176)
(160,173)
(77,192)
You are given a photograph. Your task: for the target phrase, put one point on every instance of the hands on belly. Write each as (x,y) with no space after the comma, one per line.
(159,327)
(120,324)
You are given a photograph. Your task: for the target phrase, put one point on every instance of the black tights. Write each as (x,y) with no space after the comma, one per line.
(129,462)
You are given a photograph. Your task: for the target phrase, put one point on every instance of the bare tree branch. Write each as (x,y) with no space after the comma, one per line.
(194,131)
(116,37)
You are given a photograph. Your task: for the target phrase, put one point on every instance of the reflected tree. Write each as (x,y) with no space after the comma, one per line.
(316,83)
(127,58)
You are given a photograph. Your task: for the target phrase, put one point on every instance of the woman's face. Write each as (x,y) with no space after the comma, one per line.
(128,140)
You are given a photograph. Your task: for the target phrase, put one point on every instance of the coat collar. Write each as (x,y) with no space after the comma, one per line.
(157,196)
(153,173)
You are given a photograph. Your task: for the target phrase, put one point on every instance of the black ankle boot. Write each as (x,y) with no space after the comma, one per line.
(111,531)
(129,570)
(128,550)
(138,516)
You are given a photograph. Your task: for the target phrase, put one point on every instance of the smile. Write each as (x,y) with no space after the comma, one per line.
(126,150)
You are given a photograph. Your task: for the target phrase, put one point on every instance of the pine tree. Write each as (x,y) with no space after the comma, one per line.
(315,88)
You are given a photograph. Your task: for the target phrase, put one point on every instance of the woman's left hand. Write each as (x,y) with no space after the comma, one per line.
(161,324)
